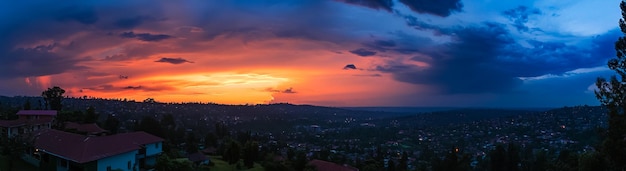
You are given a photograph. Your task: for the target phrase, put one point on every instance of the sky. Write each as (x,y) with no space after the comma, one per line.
(453,53)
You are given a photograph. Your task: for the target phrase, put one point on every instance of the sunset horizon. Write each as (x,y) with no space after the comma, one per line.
(326,53)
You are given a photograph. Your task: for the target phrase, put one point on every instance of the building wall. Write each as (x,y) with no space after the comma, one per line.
(62,164)
(12,131)
(154,149)
(119,161)
(48,162)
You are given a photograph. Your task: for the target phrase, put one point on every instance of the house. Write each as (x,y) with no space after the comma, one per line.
(85,129)
(27,121)
(63,151)
(321,165)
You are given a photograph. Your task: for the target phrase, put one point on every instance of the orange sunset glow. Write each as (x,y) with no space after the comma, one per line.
(334,53)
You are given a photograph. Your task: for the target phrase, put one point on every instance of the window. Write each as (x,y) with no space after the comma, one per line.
(128,164)
(108,168)
(156,145)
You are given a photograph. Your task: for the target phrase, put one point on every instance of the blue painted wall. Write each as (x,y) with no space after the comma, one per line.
(154,149)
(119,161)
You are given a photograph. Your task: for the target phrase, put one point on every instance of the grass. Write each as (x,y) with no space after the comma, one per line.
(221,165)
(17,164)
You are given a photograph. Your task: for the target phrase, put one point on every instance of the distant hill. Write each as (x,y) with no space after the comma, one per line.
(414,110)
(401,109)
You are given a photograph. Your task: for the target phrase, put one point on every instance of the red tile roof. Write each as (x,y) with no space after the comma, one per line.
(11,123)
(82,149)
(85,128)
(38,112)
(24,121)
(321,165)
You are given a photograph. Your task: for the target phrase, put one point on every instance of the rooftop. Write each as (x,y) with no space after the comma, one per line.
(82,149)
(23,121)
(91,128)
(38,112)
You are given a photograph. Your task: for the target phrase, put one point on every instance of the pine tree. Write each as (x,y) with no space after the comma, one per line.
(612,94)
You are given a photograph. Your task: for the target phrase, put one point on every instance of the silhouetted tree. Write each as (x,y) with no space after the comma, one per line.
(590,161)
(53,98)
(149,100)
(498,158)
(392,166)
(14,147)
(243,136)
(67,116)
(541,161)
(270,163)
(27,105)
(300,162)
(221,130)
(191,145)
(151,125)
(112,124)
(513,158)
(612,95)
(372,165)
(168,121)
(8,113)
(403,163)
(90,116)
(250,153)
(210,140)
(566,161)
(231,154)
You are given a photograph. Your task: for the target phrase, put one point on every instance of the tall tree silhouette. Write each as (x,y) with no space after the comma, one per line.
(612,94)
(90,116)
(112,124)
(27,105)
(53,98)
(152,126)
(231,155)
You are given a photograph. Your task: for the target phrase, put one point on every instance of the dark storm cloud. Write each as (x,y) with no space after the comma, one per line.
(132,87)
(33,25)
(385,43)
(363,52)
(368,75)
(38,61)
(381,45)
(486,59)
(145,36)
(349,66)
(519,16)
(374,4)
(83,15)
(441,8)
(286,91)
(464,66)
(112,88)
(289,91)
(129,22)
(173,60)
(557,57)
